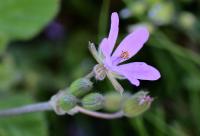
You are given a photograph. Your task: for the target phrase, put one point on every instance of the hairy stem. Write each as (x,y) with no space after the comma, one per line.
(26,109)
(101,115)
(115,83)
(45,106)
(90,75)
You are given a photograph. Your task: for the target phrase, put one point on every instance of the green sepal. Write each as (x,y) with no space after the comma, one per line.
(80,87)
(132,106)
(67,102)
(93,101)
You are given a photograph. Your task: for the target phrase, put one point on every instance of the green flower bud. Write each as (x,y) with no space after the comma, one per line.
(162,13)
(137,104)
(63,102)
(138,8)
(113,101)
(67,102)
(93,101)
(80,87)
(187,20)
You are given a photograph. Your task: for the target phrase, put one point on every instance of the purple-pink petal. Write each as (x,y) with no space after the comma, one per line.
(130,77)
(104,47)
(112,37)
(133,81)
(139,70)
(132,43)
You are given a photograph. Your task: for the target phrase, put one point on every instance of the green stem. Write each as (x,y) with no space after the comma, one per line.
(101,115)
(38,107)
(90,75)
(45,106)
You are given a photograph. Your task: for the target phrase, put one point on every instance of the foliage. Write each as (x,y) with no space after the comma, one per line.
(21,19)
(39,62)
(27,125)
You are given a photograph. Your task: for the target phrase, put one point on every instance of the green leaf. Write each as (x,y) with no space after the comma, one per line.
(139,125)
(3,42)
(103,19)
(161,41)
(22,125)
(8,74)
(23,19)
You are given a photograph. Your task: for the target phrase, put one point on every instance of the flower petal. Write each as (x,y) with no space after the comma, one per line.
(104,47)
(132,43)
(139,70)
(112,37)
(133,80)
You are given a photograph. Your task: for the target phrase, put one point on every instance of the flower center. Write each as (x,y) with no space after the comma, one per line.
(124,55)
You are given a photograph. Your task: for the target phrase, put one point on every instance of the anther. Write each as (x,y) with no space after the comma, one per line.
(124,55)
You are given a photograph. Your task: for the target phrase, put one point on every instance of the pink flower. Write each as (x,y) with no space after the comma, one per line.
(129,46)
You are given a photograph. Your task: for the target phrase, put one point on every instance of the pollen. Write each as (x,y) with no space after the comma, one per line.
(124,55)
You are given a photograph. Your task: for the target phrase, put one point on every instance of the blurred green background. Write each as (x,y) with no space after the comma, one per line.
(43,48)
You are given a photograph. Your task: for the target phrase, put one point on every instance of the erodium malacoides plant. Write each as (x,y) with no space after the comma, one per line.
(78,96)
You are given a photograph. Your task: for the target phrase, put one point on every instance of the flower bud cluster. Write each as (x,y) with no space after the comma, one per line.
(65,100)
(131,104)
(79,93)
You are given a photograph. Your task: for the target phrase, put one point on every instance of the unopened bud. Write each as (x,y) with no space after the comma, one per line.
(67,102)
(62,102)
(137,104)
(162,13)
(138,8)
(113,101)
(80,87)
(93,101)
(100,72)
(187,20)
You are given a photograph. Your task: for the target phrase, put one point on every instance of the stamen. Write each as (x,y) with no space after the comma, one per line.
(124,55)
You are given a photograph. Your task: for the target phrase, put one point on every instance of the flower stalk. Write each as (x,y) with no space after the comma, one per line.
(45,106)
(38,107)
(62,103)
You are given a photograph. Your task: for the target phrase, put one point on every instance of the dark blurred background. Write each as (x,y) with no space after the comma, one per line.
(43,48)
